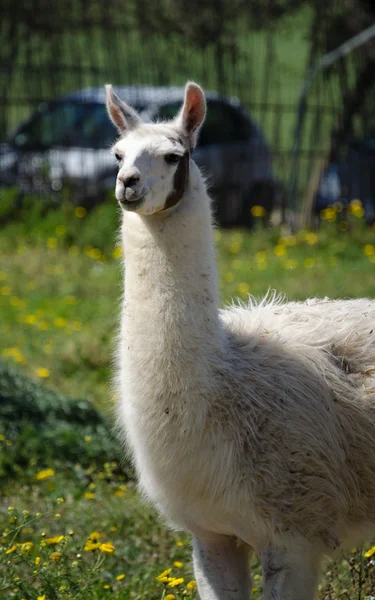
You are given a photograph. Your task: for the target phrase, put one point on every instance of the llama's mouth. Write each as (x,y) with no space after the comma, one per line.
(132,205)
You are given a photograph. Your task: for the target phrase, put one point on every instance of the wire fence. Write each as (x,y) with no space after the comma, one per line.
(50,51)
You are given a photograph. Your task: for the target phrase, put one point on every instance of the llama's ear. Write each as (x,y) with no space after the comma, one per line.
(121,115)
(192,113)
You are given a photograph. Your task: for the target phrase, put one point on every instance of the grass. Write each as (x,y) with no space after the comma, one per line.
(60,284)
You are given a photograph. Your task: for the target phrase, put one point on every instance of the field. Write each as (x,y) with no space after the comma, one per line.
(75,531)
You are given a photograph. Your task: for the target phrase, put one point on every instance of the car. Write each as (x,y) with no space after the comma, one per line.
(352,178)
(64,146)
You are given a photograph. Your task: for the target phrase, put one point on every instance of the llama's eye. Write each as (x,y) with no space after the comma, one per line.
(172,159)
(118,157)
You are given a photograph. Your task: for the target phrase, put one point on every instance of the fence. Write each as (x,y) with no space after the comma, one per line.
(50,50)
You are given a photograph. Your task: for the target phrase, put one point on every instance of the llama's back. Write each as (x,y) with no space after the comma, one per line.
(343,329)
(312,365)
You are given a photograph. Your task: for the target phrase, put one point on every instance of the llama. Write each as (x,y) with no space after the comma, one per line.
(253,427)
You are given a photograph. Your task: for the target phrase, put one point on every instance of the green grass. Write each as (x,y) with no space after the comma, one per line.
(60,284)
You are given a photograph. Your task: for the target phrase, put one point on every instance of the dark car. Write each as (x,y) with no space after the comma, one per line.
(65,143)
(350,179)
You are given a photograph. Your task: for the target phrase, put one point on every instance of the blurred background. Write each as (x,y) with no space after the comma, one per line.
(288,148)
(263,143)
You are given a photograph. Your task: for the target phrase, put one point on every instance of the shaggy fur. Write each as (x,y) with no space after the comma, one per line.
(249,427)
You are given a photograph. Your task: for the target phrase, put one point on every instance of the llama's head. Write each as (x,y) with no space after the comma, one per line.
(154,157)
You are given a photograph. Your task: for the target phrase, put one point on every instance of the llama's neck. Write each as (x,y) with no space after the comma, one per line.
(170,327)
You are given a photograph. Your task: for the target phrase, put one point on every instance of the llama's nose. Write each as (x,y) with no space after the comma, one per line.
(129,180)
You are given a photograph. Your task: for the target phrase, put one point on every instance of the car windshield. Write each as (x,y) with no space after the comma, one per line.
(67,124)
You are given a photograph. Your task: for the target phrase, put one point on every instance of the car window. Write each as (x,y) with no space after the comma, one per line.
(67,124)
(223,124)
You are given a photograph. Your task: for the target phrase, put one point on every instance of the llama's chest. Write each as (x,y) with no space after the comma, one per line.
(179,465)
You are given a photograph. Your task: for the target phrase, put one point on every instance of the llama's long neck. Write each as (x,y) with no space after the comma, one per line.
(170,326)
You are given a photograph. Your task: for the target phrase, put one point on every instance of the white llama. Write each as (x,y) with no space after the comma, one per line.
(252,427)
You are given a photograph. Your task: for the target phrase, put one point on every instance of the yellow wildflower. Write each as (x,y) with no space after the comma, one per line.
(311,238)
(30,319)
(243,287)
(16,302)
(60,322)
(45,474)
(120,577)
(27,547)
(170,597)
(356,208)
(37,560)
(89,496)
(176,581)
(279,250)
(179,543)
(43,372)
(91,546)
(290,264)
(117,253)
(178,564)
(258,211)
(108,548)
(192,585)
(95,535)
(235,247)
(370,552)
(42,597)
(55,556)
(163,574)
(328,214)
(11,549)
(54,540)
(94,253)
(13,353)
(106,586)
(369,250)
(80,212)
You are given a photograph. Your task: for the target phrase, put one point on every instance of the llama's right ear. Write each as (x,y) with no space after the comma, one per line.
(121,115)
(192,113)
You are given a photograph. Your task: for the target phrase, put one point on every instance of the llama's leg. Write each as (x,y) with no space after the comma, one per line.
(290,575)
(221,568)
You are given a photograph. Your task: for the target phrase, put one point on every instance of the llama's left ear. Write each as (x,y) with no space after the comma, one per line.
(121,115)
(192,113)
